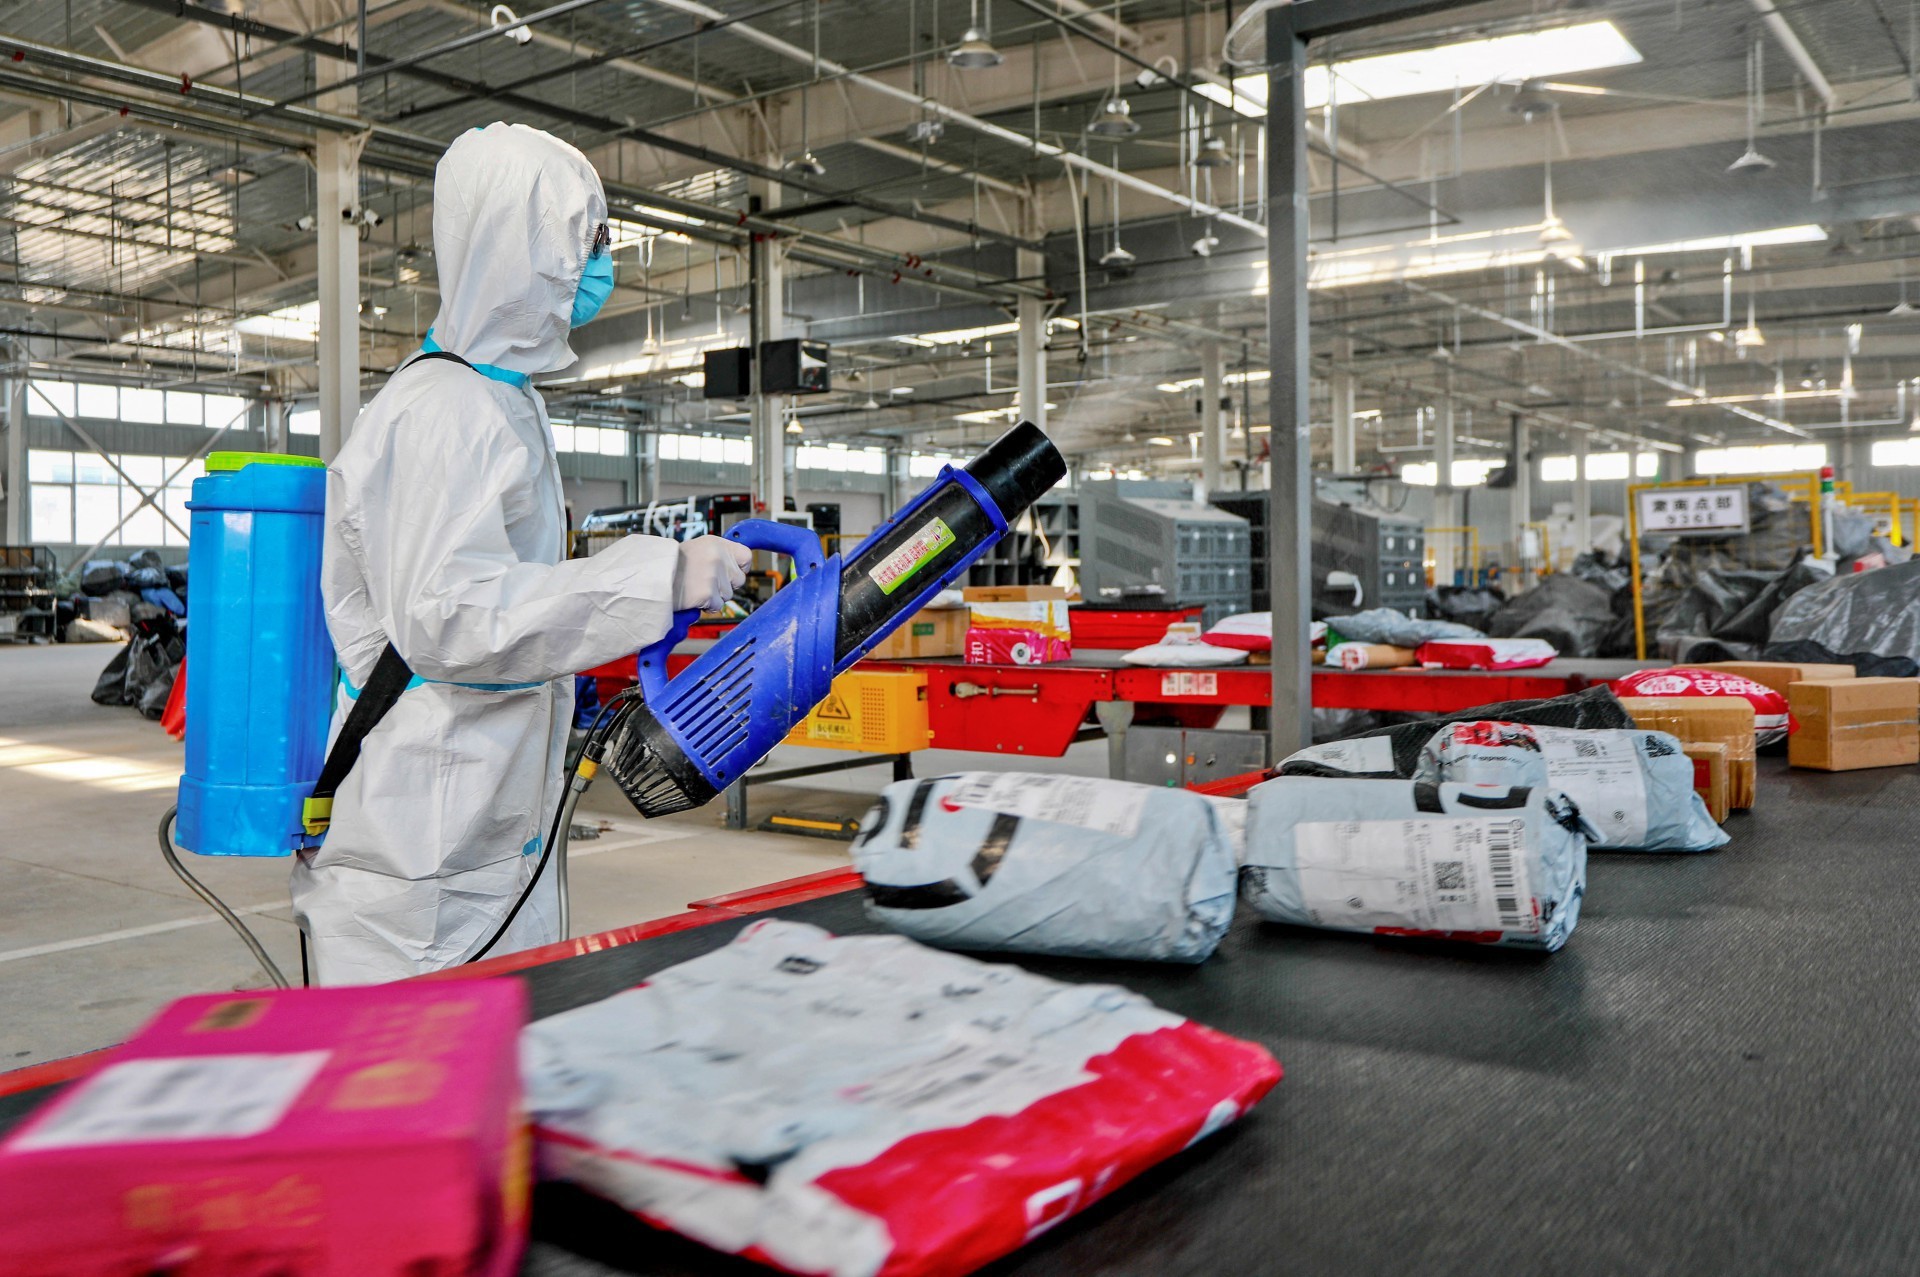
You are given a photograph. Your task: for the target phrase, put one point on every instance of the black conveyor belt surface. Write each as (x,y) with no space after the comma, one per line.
(1717,1075)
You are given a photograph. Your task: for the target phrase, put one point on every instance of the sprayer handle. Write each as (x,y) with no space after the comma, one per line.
(802,545)
(653,657)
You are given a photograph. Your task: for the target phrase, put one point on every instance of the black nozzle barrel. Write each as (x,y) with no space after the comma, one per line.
(1021,464)
(1018,467)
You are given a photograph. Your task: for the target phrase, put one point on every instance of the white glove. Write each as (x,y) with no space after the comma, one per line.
(711,569)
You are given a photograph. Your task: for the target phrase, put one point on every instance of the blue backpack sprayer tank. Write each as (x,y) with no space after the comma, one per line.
(262,673)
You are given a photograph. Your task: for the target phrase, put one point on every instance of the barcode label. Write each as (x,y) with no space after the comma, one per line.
(1431,874)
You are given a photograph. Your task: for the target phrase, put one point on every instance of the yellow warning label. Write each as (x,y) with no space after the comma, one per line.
(840,730)
(835,706)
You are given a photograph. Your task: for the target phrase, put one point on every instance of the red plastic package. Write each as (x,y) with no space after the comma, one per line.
(1770,723)
(1484,653)
(867,1105)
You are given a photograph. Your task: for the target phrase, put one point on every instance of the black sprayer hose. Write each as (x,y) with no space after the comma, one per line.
(570,791)
(216,904)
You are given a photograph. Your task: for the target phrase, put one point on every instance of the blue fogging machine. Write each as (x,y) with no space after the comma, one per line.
(693,735)
(261,672)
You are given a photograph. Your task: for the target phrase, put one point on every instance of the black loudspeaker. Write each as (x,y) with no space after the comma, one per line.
(729,373)
(793,367)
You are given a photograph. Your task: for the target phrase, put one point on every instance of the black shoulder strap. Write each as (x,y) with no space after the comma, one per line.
(435,354)
(389,678)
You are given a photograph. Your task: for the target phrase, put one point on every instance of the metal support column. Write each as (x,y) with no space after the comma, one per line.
(1582,495)
(1341,384)
(1446,503)
(1030,359)
(766,273)
(336,161)
(18,530)
(1289,570)
(1213,422)
(1521,493)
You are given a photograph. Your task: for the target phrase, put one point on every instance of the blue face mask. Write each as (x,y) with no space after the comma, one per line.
(596,285)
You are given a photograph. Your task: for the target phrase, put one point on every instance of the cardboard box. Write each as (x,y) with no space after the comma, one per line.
(933,631)
(1712,778)
(1369,656)
(1727,720)
(1779,675)
(1849,723)
(1035,633)
(1013,594)
(298,1132)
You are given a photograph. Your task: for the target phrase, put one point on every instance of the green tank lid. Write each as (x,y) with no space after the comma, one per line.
(219,462)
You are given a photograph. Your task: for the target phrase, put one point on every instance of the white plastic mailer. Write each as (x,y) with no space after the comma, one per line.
(1484,864)
(1634,787)
(864,1106)
(1066,865)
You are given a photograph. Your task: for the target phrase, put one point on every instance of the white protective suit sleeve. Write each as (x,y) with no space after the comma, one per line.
(451,591)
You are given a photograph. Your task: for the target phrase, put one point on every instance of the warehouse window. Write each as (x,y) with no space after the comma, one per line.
(712,449)
(59,393)
(841,458)
(606,441)
(925,465)
(304,422)
(143,407)
(1896,452)
(1771,458)
(1468,472)
(1600,465)
(77,497)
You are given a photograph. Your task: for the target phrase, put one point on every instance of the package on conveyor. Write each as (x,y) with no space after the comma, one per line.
(1485,653)
(323,1132)
(1769,707)
(1779,675)
(1845,724)
(867,1105)
(1723,720)
(1711,776)
(1634,787)
(1483,864)
(1395,751)
(1065,865)
(1369,656)
(1017,625)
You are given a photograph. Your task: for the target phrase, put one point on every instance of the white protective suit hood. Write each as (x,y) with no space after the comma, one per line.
(446,537)
(514,214)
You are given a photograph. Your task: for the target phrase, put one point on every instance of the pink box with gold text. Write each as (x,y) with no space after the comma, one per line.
(298,1132)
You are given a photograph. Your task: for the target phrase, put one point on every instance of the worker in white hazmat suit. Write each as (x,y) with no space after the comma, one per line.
(446,537)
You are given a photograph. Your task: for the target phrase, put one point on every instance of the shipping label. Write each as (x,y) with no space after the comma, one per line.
(1190,683)
(197,1097)
(1429,874)
(1108,806)
(1601,772)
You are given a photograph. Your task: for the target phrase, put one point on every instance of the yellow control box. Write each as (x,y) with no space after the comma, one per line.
(871,712)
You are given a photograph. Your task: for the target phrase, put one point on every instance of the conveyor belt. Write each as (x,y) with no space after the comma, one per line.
(1717,1075)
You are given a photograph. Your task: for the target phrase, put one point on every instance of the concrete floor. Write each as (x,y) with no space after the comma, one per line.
(96,933)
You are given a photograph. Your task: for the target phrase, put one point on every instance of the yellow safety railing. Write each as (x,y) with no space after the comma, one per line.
(1799,486)
(1473,551)
(1546,546)
(1876,504)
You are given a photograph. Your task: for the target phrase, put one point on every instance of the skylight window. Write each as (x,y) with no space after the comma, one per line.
(1504,59)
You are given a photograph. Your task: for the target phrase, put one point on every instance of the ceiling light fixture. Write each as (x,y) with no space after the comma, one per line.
(1750,337)
(1117,258)
(807,164)
(975,52)
(1751,161)
(794,427)
(1213,153)
(1114,119)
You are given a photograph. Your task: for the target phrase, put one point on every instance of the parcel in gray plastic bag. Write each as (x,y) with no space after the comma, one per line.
(1634,787)
(1485,864)
(1065,865)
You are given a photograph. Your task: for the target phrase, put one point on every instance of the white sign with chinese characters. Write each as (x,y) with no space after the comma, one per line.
(1693,511)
